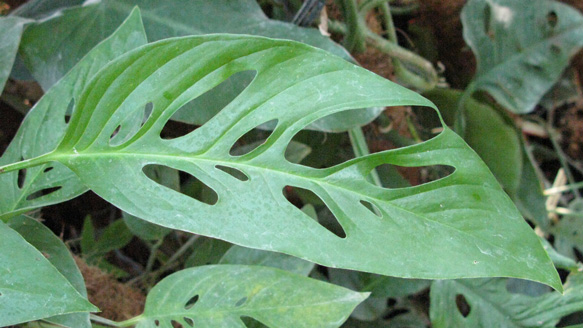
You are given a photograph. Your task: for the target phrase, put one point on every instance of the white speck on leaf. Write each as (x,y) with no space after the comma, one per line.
(502,14)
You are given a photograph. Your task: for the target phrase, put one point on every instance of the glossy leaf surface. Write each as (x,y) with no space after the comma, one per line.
(465,215)
(491,305)
(522,47)
(23,296)
(218,296)
(45,125)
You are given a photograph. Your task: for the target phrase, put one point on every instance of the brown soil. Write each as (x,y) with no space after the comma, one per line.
(116,301)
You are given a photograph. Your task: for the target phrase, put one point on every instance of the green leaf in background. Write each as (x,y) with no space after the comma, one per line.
(10,33)
(487,133)
(38,9)
(219,295)
(23,296)
(45,241)
(45,125)
(465,215)
(491,305)
(248,256)
(522,47)
(49,52)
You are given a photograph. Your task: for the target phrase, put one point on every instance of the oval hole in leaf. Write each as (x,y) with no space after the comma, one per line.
(193,187)
(552,19)
(157,323)
(462,305)
(190,303)
(327,149)
(188,321)
(175,324)
(131,125)
(241,302)
(251,322)
(206,106)
(299,197)
(48,169)
(395,313)
(253,138)
(21,178)
(487,22)
(237,174)
(42,193)
(372,207)
(394,176)
(69,111)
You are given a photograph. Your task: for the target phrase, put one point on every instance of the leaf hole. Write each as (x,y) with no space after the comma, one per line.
(21,178)
(395,313)
(241,302)
(488,22)
(192,186)
(299,197)
(552,19)
(253,138)
(157,323)
(48,169)
(188,321)
(372,207)
(176,324)
(69,111)
(42,193)
(462,305)
(206,106)
(251,322)
(191,302)
(324,149)
(235,173)
(131,125)
(556,50)
(395,176)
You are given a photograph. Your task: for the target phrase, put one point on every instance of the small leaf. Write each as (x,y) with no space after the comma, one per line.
(23,296)
(522,47)
(45,125)
(219,295)
(54,250)
(489,304)
(10,33)
(465,214)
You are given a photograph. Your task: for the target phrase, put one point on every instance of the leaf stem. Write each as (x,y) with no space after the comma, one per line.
(103,321)
(152,257)
(24,164)
(360,149)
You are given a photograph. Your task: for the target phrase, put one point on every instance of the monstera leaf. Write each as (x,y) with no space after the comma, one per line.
(522,47)
(10,32)
(114,135)
(490,304)
(45,125)
(220,295)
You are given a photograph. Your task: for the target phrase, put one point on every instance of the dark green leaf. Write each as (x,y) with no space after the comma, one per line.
(23,296)
(59,256)
(491,305)
(522,47)
(10,33)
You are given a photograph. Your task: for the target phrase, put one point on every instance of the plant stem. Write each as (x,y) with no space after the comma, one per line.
(130,322)
(355,33)
(558,190)
(152,257)
(24,164)
(562,159)
(360,149)
(103,321)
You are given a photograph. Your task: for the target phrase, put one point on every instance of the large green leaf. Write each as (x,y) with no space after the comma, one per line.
(45,241)
(219,295)
(45,125)
(521,47)
(465,215)
(491,305)
(23,296)
(10,33)
(49,52)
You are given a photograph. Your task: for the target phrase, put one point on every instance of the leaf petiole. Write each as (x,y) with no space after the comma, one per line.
(24,164)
